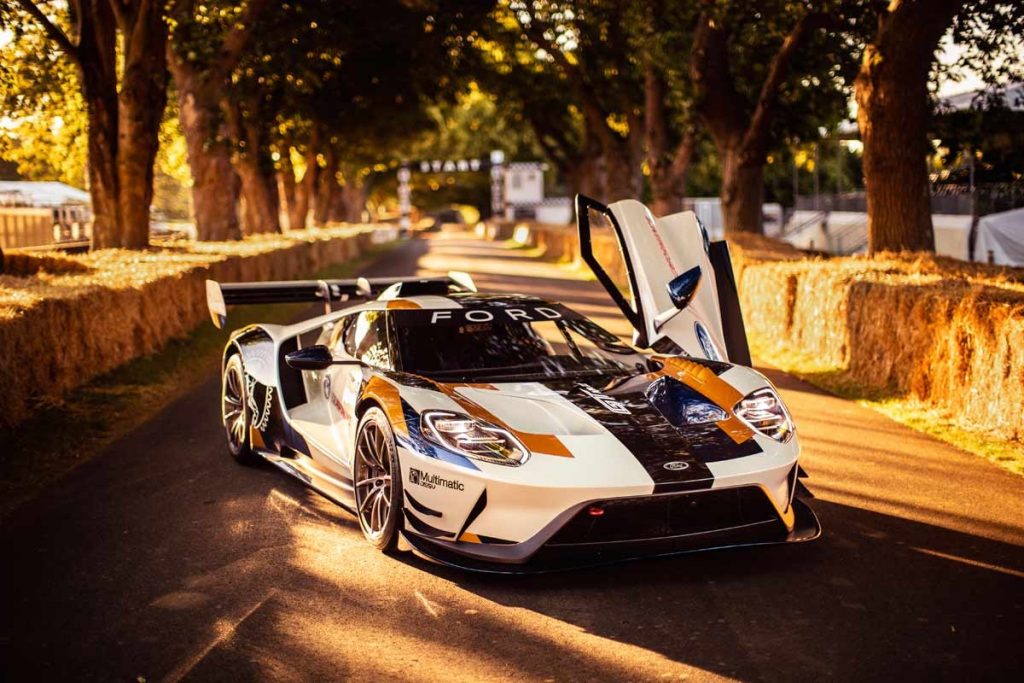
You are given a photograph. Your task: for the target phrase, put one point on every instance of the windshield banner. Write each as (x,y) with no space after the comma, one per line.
(489,314)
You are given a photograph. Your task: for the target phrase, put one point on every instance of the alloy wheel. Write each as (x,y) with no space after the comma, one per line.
(373,480)
(233,407)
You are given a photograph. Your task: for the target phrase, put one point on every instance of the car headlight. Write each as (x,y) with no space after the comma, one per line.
(473,438)
(762,410)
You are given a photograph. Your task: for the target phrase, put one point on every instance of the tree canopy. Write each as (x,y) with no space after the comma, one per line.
(282,112)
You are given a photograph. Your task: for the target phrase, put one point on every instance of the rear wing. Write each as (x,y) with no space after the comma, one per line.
(220,295)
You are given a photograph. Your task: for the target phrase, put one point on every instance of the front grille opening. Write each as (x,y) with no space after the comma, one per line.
(666,516)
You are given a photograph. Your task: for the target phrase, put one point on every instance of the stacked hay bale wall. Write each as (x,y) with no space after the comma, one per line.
(946,333)
(65,321)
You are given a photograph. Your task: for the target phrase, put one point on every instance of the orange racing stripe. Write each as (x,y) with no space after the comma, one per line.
(547,444)
(704,381)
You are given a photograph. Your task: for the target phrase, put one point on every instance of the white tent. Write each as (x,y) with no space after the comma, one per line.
(1002,236)
(44,194)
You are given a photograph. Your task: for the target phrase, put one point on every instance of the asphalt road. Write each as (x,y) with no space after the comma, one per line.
(163,560)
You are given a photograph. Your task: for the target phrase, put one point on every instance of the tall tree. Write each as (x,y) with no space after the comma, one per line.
(740,111)
(358,92)
(589,44)
(669,123)
(124,102)
(894,106)
(207,42)
(535,93)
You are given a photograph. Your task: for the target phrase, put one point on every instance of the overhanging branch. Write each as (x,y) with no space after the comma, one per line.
(58,36)
(768,98)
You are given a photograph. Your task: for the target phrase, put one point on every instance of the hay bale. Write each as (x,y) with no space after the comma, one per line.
(65,320)
(946,333)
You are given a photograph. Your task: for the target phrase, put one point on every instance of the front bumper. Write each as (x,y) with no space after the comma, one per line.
(632,528)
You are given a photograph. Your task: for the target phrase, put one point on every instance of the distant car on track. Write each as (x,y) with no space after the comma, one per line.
(503,432)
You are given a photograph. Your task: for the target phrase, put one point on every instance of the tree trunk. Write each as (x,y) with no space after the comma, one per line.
(586,176)
(623,177)
(252,162)
(262,204)
(669,168)
(124,118)
(742,141)
(296,191)
(215,193)
(141,102)
(103,177)
(667,194)
(214,200)
(98,76)
(893,110)
(326,188)
(304,189)
(286,189)
(353,199)
(742,193)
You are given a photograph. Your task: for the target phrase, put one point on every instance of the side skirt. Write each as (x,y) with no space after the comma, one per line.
(305,470)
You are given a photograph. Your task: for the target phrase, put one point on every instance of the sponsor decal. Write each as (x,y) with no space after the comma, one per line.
(605,400)
(657,237)
(676,465)
(260,418)
(487,315)
(432,481)
(332,398)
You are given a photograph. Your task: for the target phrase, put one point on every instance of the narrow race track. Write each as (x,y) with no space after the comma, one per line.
(165,560)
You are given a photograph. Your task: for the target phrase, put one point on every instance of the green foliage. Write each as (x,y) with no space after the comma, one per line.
(988,36)
(470,127)
(44,123)
(366,72)
(172,179)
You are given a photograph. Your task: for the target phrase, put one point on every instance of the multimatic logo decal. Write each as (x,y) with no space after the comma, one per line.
(605,400)
(432,481)
(676,465)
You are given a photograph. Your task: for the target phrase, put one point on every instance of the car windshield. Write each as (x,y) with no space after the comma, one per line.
(509,344)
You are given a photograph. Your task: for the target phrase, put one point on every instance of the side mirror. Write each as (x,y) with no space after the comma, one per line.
(682,288)
(317,357)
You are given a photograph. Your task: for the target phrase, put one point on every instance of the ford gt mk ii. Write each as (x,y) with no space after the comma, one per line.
(504,432)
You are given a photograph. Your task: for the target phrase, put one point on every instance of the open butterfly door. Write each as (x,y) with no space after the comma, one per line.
(674,286)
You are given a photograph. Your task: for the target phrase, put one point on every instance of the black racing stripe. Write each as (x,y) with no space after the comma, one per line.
(707,441)
(481,503)
(653,438)
(494,541)
(420,507)
(645,432)
(424,528)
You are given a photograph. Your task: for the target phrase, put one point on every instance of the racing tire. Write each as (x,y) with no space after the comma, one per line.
(378,481)
(235,414)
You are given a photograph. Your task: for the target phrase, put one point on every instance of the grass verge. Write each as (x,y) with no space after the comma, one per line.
(59,437)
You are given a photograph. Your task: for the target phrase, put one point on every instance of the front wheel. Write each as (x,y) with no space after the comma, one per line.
(378,481)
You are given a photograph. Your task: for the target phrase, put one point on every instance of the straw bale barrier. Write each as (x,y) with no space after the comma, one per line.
(65,320)
(946,333)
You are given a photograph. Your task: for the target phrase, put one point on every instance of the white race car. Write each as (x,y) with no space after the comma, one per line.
(503,432)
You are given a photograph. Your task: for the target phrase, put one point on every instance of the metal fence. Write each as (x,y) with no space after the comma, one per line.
(29,226)
(947,198)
